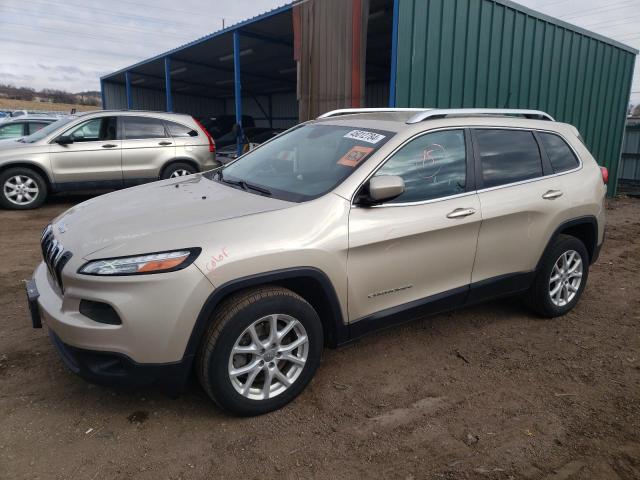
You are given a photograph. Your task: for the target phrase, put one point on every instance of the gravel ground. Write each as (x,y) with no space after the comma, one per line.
(489,392)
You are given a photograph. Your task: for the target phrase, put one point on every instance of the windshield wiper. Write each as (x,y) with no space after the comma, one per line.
(246,186)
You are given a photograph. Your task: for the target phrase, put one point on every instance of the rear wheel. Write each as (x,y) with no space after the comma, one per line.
(22,189)
(261,350)
(178,169)
(561,278)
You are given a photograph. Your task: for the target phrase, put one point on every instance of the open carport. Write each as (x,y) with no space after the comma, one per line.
(305,58)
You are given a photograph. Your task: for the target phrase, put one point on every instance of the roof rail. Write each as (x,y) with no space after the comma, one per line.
(435,113)
(351,111)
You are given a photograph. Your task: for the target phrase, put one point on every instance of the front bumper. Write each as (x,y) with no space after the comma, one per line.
(157,312)
(117,370)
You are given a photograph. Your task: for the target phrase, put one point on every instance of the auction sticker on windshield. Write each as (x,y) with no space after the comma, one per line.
(364,136)
(354,156)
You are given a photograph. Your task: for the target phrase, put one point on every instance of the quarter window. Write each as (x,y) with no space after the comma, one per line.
(136,128)
(508,156)
(432,166)
(178,130)
(560,155)
(97,129)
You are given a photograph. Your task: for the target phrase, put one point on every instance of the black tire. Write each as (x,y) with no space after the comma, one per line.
(229,322)
(538,296)
(177,167)
(29,177)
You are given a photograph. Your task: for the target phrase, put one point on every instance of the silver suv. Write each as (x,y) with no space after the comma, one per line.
(102,150)
(356,221)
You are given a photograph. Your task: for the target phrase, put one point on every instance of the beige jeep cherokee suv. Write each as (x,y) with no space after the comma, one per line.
(101,150)
(355,221)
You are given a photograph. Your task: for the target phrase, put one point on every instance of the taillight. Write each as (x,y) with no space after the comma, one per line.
(605,175)
(212,143)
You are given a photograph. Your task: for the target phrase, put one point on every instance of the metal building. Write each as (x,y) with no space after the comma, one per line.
(290,63)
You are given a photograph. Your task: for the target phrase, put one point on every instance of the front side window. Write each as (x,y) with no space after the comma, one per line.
(507,156)
(97,129)
(432,166)
(306,162)
(560,155)
(12,130)
(137,128)
(35,126)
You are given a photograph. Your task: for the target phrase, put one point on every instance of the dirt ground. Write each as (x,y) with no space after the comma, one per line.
(489,392)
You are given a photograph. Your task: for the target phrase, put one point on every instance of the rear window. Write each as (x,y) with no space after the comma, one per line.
(508,156)
(560,154)
(136,128)
(178,130)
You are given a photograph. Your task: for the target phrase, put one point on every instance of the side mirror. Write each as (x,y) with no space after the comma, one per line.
(64,140)
(385,187)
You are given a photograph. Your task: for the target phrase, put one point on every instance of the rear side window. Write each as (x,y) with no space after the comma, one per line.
(136,128)
(508,156)
(178,130)
(560,155)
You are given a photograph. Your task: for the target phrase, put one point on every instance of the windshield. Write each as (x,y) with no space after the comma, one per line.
(43,132)
(305,162)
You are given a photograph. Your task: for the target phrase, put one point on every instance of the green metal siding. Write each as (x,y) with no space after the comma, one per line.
(493,53)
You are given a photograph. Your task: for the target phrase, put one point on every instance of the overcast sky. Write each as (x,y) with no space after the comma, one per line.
(69,44)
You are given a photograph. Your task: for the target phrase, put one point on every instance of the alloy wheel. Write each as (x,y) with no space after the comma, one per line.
(21,189)
(565,279)
(181,172)
(268,357)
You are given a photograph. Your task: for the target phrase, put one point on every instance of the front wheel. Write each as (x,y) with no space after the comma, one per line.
(261,350)
(561,278)
(22,189)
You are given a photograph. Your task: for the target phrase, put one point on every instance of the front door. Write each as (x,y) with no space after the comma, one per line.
(92,160)
(419,247)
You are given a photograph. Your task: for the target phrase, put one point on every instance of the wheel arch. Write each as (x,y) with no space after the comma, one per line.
(33,166)
(188,160)
(310,283)
(584,229)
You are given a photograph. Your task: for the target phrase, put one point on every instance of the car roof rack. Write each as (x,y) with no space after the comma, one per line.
(435,113)
(351,111)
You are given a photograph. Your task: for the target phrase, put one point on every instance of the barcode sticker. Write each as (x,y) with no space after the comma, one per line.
(364,136)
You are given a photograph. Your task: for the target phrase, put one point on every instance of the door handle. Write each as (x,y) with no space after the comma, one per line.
(461,212)
(164,143)
(551,194)
(109,145)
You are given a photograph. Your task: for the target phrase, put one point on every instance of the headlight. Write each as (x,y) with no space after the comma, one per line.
(142,264)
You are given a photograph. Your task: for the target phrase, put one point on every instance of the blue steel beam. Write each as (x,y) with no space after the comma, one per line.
(265,38)
(104,103)
(167,83)
(237,91)
(127,81)
(394,54)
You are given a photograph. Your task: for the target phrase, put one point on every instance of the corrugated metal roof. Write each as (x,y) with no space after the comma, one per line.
(228,30)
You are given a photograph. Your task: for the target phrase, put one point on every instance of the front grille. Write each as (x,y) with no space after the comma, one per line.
(54,255)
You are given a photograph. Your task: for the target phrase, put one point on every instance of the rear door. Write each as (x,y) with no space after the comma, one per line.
(92,160)
(522,203)
(146,148)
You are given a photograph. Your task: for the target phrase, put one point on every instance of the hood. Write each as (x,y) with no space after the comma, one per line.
(10,147)
(169,208)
